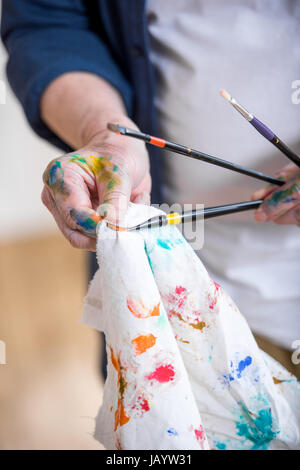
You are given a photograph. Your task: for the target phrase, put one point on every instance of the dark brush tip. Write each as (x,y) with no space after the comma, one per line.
(116,128)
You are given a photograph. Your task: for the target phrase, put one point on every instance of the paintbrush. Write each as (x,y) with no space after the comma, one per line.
(183,150)
(262,128)
(174,218)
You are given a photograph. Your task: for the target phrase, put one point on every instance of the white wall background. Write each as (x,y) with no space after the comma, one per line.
(23,158)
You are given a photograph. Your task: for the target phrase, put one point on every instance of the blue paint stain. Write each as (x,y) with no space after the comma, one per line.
(166,244)
(242,365)
(258,430)
(220,445)
(83,219)
(236,371)
(53,173)
(290,199)
(149,260)
(172,432)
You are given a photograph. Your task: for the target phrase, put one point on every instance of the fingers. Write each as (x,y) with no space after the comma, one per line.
(84,188)
(264,192)
(279,202)
(285,174)
(141,194)
(291,217)
(288,172)
(71,187)
(115,197)
(143,198)
(113,182)
(75,237)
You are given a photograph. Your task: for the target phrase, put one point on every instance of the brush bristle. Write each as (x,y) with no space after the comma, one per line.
(113,127)
(225,95)
(117,228)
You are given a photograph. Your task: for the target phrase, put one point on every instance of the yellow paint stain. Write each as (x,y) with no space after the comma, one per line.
(101,167)
(139,310)
(143,342)
(277,381)
(182,340)
(198,326)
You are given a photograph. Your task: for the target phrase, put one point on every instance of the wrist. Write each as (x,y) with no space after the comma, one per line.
(95,132)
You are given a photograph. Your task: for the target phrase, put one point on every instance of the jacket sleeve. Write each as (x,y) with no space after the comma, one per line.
(46,38)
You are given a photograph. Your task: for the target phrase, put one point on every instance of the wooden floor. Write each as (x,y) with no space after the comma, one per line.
(50,388)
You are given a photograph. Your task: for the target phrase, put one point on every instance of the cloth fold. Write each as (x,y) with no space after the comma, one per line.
(184,371)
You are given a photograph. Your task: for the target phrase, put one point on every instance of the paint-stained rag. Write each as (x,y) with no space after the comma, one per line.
(184,371)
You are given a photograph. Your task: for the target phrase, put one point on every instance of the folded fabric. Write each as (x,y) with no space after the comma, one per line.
(184,371)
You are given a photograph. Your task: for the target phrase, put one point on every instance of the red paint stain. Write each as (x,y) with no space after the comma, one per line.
(141,404)
(177,300)
(179,290)
(215,297)
(178,305)
(199,433)
(163,374)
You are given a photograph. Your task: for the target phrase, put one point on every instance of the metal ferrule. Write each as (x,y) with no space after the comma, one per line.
(241,110)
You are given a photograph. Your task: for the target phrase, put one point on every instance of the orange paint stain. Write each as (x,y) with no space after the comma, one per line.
(120,415)
(139,310)
(143,342)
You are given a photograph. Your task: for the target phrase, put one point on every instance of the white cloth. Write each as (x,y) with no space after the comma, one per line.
(252,49)
(184,371)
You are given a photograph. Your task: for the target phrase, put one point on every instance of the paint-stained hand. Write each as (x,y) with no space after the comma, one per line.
(281,205)
(97,181)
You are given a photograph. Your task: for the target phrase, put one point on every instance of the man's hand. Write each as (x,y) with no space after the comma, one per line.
(108,171)
(94,182)
(281,205)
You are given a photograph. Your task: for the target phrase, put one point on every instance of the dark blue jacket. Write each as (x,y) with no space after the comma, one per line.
(46,38)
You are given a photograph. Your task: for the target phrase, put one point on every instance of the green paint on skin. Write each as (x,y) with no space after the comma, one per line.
(111,184)
(77,159)
(84,220)
(285,195)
